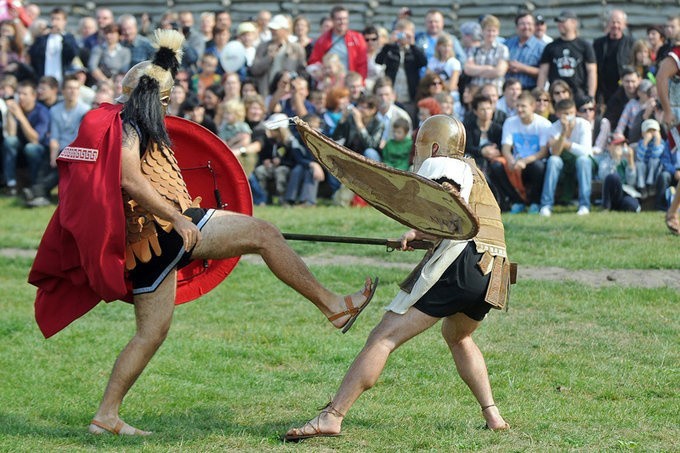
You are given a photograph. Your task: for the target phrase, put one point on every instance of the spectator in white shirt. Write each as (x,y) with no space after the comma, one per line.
(570,146)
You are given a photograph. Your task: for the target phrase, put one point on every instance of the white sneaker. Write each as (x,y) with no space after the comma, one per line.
(545,211)
(583,210)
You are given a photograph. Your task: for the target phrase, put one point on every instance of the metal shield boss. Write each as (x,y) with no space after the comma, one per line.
(410,199)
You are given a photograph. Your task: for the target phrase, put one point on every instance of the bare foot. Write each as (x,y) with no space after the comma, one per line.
(118,428)
(493,418)
(350,307)
(327,424)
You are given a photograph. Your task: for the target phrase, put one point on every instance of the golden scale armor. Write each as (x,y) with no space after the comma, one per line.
(160,167)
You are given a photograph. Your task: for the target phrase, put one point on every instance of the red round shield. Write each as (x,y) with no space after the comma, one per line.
(212,172)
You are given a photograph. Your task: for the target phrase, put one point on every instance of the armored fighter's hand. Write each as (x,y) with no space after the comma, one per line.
(189,232)
(414,235)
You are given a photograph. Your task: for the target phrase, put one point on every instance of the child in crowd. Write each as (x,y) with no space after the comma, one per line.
(648,156)
(207,75)
(234,130)
(397,150)
(616,169)
(275,159)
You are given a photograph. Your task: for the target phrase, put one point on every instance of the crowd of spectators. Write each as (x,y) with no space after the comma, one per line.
(550,120)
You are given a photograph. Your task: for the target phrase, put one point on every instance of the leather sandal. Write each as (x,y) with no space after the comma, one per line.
(352,310)
(116,430)
(486,425)
(297,435)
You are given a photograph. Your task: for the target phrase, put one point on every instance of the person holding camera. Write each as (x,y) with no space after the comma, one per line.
(52,53)
(403,61)
(359,129)
(277,54)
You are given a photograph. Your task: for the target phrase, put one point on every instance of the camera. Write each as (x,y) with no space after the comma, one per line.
(293,75)
(7,97)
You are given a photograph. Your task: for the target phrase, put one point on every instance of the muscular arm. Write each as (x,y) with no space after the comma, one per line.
(141,190)
(667,69)
(591,70)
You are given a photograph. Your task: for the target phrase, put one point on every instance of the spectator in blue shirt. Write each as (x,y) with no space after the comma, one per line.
(525,51)
(28,124)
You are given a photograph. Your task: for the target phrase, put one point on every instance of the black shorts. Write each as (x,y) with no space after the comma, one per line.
(146,277)
(460,289)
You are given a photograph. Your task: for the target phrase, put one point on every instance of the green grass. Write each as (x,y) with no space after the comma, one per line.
(574,368)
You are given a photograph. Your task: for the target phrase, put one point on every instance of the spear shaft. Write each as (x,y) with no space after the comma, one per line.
(389,243)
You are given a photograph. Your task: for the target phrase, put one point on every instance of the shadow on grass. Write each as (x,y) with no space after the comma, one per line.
(169,429)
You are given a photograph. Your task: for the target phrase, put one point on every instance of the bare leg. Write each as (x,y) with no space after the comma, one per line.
(153,313)
(457,331)
(228,234)
(392,331)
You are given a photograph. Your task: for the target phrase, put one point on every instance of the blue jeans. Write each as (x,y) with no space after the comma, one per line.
(259,197)
(302,187)
(372,154)
(35,154)
(584,176)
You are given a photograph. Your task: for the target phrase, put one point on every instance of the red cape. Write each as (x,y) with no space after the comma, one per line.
(81,258)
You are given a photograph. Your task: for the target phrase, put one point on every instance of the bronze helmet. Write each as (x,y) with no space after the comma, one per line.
(439,136)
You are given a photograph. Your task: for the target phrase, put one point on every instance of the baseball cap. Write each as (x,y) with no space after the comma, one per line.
(245,27)
(650,124)
(566,14)
(279,22)
(539,18)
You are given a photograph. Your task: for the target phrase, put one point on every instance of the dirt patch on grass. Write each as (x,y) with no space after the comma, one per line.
(649,278)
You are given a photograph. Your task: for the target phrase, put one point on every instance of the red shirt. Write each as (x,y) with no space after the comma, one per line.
(356,50)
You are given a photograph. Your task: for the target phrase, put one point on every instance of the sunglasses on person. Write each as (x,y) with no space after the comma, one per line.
(435,83)
(371,38)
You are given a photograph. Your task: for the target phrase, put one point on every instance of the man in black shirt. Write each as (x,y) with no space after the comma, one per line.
(569,58)
(612,51)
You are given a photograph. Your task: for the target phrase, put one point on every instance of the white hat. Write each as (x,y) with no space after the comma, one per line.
(245,27)
(279,22)
(276,121)
(650,124)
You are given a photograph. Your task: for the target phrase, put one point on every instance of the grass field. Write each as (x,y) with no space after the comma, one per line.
(574,368)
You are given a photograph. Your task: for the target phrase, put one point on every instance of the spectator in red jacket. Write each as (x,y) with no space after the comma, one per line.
(349,45)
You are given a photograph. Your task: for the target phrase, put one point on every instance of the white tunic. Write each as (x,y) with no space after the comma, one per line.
(448,250)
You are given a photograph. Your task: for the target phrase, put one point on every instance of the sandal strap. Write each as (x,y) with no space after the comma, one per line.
(330,409)
(349,303)
(351,309)
(115,430)
(486,407)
